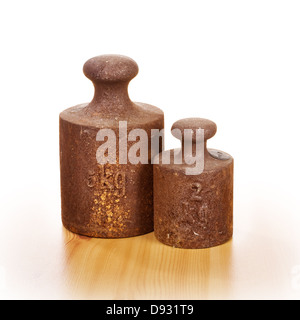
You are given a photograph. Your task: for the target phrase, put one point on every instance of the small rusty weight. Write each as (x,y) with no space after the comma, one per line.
(109,200)
(194,211)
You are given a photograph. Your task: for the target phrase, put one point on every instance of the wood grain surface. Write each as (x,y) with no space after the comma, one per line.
(42,260)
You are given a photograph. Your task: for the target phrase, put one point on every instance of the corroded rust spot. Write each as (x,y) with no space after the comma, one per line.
(110,186)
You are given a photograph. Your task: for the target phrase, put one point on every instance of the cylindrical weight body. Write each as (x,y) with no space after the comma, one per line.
(193,211)
(113,199)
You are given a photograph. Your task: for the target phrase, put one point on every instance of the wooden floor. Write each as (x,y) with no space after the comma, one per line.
(42,260)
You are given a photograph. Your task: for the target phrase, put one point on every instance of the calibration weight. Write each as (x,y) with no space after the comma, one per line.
(194,211)
(113,199)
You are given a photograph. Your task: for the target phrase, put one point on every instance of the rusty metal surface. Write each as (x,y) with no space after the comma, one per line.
(110,200)
(194,211)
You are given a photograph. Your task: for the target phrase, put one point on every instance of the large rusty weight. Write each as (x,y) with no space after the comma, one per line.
(106,200)
(194,211)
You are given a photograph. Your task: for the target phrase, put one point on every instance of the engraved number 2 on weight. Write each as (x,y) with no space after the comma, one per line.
(194,207)
(196,187)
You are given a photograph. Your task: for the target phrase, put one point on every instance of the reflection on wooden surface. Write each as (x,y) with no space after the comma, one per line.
(143,268)
(39,259)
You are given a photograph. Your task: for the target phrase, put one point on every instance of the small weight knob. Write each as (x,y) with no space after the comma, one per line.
(189,132)
(191,125)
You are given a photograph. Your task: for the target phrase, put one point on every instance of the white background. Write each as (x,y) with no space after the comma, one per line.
(234,62)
